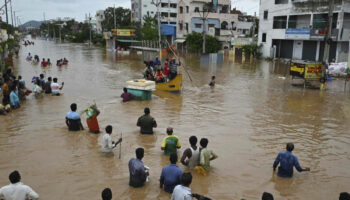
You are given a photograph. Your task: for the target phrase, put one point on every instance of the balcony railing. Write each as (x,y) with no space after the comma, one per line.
(320,34)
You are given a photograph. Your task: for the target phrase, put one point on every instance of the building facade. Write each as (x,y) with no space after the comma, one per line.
(167,9)
(100,16)
(221,21)
(296,29)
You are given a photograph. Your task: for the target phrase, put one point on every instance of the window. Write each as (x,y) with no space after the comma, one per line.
(180,26)
(211,25)
(263,37)
(187,9)
(281,1)
(164,14)
(280,22)
(186,27)
(144,6)
(196,9)
(152,12)
(173,5)
(181,9)
(173,14)
(198,25)
(266,14)
(164,5)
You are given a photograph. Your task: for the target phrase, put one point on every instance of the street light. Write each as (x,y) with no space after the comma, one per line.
(204,15)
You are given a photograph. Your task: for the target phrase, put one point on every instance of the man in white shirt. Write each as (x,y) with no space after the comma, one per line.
(55,87)
(107,143)
(17,190)
(183,191)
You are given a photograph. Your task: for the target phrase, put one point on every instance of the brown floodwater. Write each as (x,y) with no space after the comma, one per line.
(248,118)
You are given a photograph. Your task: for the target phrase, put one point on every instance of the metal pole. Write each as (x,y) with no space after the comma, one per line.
(11,12)
(60,34)
(159,34)
(328,35)
(204,34)
(7,21)
(115,20)
(90,28)
(14,16)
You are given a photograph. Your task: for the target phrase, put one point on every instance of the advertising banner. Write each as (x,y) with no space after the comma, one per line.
(297,69)
(123,32)
(313,71)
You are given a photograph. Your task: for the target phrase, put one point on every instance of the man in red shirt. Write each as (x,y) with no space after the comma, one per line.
(43,63)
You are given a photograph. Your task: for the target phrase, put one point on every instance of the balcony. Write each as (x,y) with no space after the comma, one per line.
(319,34)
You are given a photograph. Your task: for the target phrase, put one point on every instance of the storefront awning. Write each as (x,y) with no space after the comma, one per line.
(131,41)
(180,40)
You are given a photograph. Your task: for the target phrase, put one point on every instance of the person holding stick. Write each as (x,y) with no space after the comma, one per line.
(107,143)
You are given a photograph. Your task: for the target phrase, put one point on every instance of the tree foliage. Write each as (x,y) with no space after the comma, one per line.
(195,43)
(149,29)
(123,18)
(252,49)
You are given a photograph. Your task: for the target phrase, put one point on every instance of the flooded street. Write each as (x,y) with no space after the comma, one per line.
(248,118)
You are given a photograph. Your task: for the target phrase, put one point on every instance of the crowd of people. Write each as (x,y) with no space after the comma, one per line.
(159,74)
(45,63)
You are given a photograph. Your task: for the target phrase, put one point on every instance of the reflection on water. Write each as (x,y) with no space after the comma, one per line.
(248,117)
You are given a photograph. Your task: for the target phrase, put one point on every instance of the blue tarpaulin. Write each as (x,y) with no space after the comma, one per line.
(169,29)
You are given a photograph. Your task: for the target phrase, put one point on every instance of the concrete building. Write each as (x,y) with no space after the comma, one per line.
(295,29)
(221,22)
(100,16)
(167,9)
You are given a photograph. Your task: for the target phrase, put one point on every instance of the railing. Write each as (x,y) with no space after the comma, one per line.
(321,33)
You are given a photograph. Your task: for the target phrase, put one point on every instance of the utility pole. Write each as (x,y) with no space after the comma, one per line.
(328,37)
(14,16)
(159,33)
(7,21)
(90,28)
(115,20)
(11,12)
(205,13)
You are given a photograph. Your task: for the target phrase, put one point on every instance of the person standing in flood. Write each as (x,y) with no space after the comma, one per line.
(212,82)
(170,143)
(6,91)
(137,170)
(206,155)
(190,157)
(171,175)
(91,121)
(14,100)
(287,162)
(127,96)
(17,190)
(146,122)
(73,120)
(107,143)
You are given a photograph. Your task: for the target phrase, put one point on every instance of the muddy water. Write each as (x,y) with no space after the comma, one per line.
(248,118)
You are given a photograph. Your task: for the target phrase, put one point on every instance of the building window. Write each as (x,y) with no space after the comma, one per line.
(186,27)
(198,25)
(280,22)
(173,5)
(144,6)
(263,39)
(180,26)
(281,1)
(196,9)
(211,25)
(187,9)
(266,13)
(173,14)
(164,5)
(152,12)
(181,9)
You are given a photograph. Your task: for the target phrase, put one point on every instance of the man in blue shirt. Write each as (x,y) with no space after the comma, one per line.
(137,170)
(287,161)
(14,100)
(171,175)
(73,119)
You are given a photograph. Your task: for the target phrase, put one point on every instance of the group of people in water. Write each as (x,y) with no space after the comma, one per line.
(45,63)
(15,91)
(155,72)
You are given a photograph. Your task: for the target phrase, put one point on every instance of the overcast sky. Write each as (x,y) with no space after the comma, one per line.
(34,9)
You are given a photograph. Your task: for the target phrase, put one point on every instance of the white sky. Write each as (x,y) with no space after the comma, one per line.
(33,9)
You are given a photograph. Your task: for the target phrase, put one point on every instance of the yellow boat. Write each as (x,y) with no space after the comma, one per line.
(174,85)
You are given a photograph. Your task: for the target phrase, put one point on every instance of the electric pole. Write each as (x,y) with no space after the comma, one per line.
(328,37)
(7,21)
(115,20)
(11,12)
(90,28)
(14,16)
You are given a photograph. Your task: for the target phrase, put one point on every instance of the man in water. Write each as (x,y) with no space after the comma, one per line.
(190,157)
(344,196)
(73,119)
(127,96)
(56,88)
(146,122)
(287,161)
(206,155)
(14,100)
(171,175)
(6,91)
(183,191)
(43,63)
(137,170)
(267,196)
(42,80)
(212,82)
(29,57)
(106,194)
(107,143)
(17,190)
(170,143)
(47,86)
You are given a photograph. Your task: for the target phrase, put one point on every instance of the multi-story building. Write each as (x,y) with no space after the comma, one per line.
(100,16)
(167,9)
(295,29)
(221,21)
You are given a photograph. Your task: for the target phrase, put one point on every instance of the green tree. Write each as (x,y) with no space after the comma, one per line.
(149,29)
(195,43)
(123,18)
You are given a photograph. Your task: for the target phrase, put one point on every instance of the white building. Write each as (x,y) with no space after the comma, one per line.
(295,29)
(167,9)
(221,21)
(100,16)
